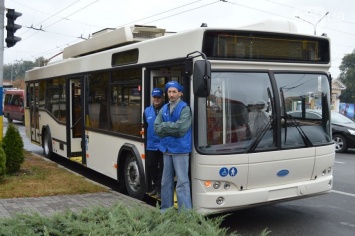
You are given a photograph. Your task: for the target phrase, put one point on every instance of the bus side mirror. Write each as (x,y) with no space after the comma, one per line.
(202,78)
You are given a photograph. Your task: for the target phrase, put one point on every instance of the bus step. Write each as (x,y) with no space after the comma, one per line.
(76,159)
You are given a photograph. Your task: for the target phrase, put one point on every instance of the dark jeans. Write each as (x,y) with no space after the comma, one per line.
(155,164)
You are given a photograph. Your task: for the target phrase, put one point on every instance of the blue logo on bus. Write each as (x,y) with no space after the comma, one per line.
(282,173)
(223,172)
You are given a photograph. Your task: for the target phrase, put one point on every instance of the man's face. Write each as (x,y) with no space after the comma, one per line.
(174,94)
(157,101)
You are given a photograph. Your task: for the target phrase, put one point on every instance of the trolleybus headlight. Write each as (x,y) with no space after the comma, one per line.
(324,172)
(227,186)
(220,200)
(329,183)
(329,170)
(216,185)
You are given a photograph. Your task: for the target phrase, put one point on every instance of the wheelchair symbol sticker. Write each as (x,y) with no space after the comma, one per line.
(223,172)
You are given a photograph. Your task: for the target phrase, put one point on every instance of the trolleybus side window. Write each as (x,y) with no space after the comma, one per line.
(115,105)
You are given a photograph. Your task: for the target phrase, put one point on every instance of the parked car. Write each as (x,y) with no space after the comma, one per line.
(343,128)
(14,105)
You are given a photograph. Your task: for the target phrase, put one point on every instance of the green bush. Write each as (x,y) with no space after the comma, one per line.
(13,147)
(117,220)
(2,162)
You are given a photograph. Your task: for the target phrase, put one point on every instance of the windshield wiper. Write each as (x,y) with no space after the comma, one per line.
(294,123)
(261,134)
(305,138)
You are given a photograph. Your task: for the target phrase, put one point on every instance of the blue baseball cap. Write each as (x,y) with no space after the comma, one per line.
(174,84)
(157,92)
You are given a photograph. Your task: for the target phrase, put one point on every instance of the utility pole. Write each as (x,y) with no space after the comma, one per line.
(2,10)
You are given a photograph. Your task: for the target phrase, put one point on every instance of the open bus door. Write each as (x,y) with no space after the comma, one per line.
(158,79)
(33,104)
(75,125)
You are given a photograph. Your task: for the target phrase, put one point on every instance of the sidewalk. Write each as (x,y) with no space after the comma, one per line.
(48,205)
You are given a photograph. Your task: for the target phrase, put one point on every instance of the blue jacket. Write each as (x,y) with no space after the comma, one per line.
(174,129)
(153,140)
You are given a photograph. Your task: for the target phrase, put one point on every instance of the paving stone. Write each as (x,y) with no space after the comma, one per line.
(49,205)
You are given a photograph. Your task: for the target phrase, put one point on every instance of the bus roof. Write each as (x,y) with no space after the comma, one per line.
(96,53)
(109,38)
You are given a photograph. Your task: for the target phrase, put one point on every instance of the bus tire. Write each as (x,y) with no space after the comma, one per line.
(133,180)
(47,145)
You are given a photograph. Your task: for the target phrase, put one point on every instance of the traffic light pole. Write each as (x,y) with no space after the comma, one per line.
(2,10)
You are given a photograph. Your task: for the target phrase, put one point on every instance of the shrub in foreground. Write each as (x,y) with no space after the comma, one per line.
(117,220)
(2,163)
(13,147)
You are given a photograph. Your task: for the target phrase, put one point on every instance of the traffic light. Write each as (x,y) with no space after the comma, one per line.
(11,27)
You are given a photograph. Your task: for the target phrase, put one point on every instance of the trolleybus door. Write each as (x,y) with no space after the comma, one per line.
(160,77)
(76,120)
(34,115)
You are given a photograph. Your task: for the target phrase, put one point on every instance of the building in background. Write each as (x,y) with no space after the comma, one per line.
(337,87)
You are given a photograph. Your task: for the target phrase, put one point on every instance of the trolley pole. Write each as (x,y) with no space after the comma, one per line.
(2,11)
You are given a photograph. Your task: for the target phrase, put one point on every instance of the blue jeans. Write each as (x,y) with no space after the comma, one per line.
(179,164)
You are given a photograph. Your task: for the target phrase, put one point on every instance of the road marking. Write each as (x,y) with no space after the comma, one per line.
(339,162)
(343,193)
(347,224)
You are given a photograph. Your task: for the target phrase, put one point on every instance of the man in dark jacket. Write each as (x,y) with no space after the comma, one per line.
(173,126)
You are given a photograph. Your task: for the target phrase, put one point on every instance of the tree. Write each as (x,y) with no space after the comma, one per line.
(2,163)
(347,77)
(17,69)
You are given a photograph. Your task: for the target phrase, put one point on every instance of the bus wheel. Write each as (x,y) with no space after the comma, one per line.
(47,145)
(132,178)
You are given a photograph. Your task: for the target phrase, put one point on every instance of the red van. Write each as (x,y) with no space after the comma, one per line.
(14,105)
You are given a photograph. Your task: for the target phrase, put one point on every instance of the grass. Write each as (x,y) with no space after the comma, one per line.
(39,177)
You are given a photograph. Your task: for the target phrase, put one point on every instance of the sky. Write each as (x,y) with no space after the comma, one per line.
(48,26)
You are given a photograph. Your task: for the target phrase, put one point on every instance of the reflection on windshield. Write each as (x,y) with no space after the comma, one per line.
(300,93)
(238,111)
(239,115)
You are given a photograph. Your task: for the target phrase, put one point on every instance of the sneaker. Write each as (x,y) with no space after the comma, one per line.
(152,193)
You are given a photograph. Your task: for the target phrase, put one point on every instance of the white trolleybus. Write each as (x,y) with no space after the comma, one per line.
(249,90)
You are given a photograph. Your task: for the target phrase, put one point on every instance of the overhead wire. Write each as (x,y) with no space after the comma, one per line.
(224,1)
(160,13)
(51,16)
(62,18)
(184,11)
(137,20)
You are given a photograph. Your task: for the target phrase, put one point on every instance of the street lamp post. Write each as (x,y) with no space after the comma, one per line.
(314,25)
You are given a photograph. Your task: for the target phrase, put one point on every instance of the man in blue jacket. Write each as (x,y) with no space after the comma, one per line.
(173,126)
(154,158)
